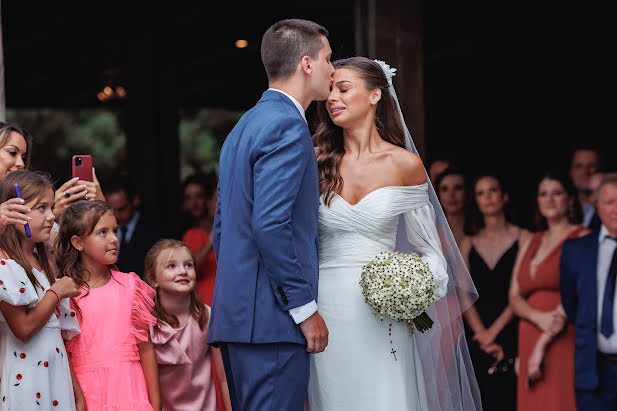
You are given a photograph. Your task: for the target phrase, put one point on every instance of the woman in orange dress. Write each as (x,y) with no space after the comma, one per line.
(546,340)
(200,204)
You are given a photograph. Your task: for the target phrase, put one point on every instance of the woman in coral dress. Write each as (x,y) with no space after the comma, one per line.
(546,340)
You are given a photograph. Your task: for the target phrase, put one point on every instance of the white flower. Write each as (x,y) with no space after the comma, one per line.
(388,71)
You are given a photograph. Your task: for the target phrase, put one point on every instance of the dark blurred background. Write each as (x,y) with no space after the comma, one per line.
(508,87)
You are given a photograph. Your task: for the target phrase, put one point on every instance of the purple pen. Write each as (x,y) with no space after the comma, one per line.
(18,191)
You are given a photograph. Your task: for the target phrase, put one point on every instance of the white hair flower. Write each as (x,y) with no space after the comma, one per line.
(388,71)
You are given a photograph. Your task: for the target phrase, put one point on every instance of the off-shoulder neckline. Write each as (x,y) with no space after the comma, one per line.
(379,189)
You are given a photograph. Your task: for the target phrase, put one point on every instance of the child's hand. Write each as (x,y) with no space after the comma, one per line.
(66,287)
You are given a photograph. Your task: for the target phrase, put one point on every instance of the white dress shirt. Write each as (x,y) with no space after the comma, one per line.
(303,312)
(606,248)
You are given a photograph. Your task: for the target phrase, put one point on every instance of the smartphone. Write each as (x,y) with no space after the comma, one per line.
(18,192)
(82,166)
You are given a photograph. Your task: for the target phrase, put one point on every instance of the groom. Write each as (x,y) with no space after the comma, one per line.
(264,310)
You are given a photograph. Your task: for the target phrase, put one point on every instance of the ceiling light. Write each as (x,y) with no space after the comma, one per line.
(241,44)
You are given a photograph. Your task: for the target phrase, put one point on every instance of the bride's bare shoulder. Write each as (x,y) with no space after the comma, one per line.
(410,166)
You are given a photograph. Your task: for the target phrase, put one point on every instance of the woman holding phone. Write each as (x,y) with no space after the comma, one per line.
(15,151)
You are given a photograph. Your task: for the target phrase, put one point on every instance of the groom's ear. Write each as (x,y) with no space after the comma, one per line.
(375,96)
(306,64)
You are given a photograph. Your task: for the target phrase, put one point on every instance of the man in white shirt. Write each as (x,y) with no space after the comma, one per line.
(588,279)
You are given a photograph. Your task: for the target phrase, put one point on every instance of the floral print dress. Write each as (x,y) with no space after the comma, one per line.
(35,375)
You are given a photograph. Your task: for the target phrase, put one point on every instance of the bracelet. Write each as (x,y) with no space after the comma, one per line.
(57,296)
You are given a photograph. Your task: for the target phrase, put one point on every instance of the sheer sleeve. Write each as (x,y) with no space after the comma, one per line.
(15,286)
(142,306)
(423,236)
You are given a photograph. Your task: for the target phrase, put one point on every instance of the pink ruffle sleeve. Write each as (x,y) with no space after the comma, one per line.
(142,306)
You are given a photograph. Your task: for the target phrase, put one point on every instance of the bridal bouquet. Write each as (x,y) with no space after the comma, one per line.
(400,286)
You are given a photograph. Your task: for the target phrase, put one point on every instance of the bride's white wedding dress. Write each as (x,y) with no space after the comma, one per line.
(358,370)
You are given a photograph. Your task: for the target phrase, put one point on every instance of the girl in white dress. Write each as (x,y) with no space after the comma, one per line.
(35,312)
(376,198)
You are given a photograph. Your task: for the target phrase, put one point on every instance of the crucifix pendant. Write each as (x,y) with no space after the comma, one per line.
(394,353)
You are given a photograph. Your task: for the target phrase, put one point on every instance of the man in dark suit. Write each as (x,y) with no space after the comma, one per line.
(136,234)
(264,310)
(588,277)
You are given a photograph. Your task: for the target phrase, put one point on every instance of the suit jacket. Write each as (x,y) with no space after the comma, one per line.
(133,254)
(579,296)
(265,227)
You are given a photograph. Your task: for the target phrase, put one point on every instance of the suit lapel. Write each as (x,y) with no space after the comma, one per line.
(592,263)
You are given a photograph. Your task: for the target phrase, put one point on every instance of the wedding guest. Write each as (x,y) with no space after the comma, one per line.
(179,336)
(588,272)
(35,313)
(585,161)
(136,232)
(492,330)
(594,184)
(113,358)
(196,192)
(438,166)
(15,152)
(451,188)
(545,348)
(200,202)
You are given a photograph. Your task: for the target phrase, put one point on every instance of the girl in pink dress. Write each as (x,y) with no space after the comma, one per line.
(113,357)
(185,360)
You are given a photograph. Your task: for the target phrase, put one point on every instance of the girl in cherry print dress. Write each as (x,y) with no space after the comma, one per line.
(186,362)
(35,312)
(113,357)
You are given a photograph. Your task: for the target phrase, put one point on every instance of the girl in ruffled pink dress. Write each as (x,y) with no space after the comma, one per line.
(186,362)
(113,357)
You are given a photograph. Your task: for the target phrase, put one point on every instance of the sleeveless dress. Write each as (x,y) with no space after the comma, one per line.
(184,361)
(114,319)
(358,371)
(555,390)
(493,285)
(35,375)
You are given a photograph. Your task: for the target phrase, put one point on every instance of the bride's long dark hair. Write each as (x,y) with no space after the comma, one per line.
(328,137)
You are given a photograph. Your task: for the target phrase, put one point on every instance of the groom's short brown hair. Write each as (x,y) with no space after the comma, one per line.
(286,42)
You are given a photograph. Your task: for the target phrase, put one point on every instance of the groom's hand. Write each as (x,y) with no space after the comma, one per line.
(316,333)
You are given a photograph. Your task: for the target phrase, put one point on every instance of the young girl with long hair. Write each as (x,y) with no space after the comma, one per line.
(113,357)
(34,306)
(180,333)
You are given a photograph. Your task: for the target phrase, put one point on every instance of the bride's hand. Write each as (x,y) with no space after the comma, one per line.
(316,333)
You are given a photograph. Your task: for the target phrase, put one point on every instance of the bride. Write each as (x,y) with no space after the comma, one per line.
(375,197)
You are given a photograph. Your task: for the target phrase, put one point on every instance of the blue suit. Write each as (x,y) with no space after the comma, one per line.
(265,240)
(579,295)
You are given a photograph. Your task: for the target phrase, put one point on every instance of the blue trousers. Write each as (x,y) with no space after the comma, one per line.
(603,398)
(266,377)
